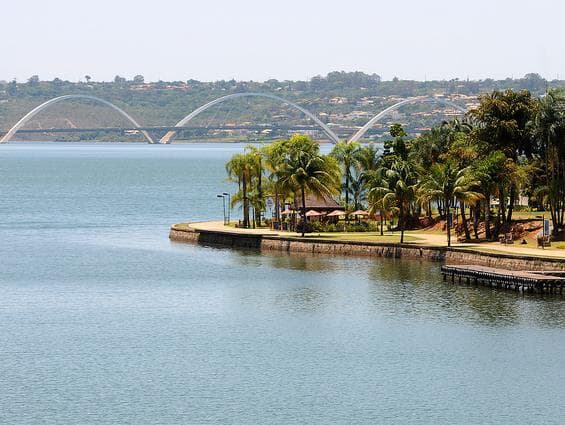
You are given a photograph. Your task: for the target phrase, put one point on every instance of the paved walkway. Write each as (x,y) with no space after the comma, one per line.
(424,238)
(218,226)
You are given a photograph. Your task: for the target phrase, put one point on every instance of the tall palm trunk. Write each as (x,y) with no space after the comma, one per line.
(245,203)
(476,219)
(511,202)
(277,206)
(260,193)
(487,217)
(303,211)
(401,220)
(347,183)
(382,223)
(464,221)
(501,215)
(448,221)
(347,179)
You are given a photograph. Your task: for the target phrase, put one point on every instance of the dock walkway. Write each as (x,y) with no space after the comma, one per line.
(526,281)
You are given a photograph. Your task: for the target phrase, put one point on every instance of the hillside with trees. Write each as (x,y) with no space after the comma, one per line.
(345,100)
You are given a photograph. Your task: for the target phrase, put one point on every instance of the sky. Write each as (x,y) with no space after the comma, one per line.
(290,39)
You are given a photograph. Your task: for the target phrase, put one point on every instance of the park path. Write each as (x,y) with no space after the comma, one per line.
(424,238)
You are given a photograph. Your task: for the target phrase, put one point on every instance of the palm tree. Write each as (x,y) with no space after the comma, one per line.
(347,155)
(240,169)
(304,169)
(377,194)
(445,182)
(256,156)
(368,158)
(396,187)
(492,172)
(548,129)
(502,125)
(273,155)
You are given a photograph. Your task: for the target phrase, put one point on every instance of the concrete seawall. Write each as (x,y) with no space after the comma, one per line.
(368,249)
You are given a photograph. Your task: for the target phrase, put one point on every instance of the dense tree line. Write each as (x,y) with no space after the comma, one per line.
(513,144)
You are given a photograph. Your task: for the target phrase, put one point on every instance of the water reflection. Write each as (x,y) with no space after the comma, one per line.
(306,299)
(413,288)
(410,288)
(417,288)
(303,261)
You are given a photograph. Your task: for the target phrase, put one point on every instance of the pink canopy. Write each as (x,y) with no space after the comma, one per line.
(313,213)
(336,213)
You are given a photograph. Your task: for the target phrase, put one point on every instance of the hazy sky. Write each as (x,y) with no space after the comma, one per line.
(290,39)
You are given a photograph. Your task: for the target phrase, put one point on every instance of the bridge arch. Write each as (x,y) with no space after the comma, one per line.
(357,136)
(167,137)
(46,104)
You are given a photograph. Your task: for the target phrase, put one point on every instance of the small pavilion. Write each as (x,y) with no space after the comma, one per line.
(323,203)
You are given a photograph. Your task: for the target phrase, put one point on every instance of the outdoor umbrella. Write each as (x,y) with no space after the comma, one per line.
(313,213)
(336,213)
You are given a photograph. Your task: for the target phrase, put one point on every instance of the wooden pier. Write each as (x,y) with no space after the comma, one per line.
(548,282)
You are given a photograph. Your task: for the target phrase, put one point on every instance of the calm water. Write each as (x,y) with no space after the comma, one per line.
(103,320)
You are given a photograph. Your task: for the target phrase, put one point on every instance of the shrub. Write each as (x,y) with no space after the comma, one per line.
(354,227)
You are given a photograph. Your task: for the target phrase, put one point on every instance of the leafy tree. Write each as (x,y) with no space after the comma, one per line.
(304,169)
(399,146)
(491,171)
(33,81)
(256,156)
(502,124)
(347,155)
(548,129)
(57,82)
(240,169)
(368,158)
(397,187)
(274,155)
(377,194)
(12,88)
(446,182)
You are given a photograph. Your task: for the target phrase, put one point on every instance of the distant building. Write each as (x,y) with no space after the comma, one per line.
(338,100)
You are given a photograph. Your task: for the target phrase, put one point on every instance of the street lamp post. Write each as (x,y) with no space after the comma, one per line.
(229,205)
(543,231)
(224,205)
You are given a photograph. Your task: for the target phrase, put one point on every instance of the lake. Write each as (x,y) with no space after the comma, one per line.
(103,320)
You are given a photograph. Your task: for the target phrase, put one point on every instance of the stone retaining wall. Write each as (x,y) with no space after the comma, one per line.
(370,249)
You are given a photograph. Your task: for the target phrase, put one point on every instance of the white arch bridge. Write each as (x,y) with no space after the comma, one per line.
(171,134)
(27,117)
